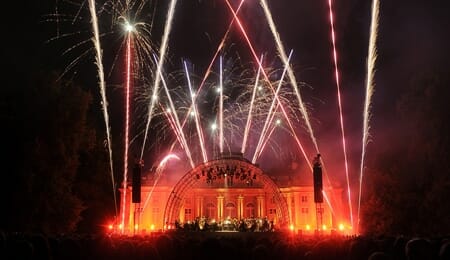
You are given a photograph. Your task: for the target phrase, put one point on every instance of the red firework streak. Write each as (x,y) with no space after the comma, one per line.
(341,118)
(268,81)
(127,122)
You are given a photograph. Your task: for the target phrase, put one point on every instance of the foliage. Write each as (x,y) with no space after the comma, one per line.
(53,138)
(410,186)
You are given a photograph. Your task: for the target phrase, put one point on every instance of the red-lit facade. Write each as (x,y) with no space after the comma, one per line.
(230,188)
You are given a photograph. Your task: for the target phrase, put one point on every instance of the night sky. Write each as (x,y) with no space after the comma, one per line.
(413,39)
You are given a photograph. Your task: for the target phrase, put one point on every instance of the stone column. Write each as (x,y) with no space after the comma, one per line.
(260,204)
(240,207)
(219,207)
(199,206)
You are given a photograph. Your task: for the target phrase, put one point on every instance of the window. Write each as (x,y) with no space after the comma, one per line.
(304,210)
(230,210)
(272,211)
(304,199)
(250,210)
(320,210)
(187,211)
(210,210)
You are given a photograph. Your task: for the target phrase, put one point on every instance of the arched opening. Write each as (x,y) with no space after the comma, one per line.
(250,210)
(210,210)
(225,176)
(230,210)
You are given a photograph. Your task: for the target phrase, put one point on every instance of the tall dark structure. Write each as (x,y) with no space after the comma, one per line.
(317,176)
(318,195)
(136,193)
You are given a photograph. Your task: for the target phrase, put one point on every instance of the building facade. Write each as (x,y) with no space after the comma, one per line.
(228,188)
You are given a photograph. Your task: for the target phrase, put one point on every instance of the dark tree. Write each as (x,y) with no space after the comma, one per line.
(380,196)
(410,187)
(57,160)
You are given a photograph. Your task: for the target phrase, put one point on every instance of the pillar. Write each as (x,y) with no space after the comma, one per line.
(199,206)
(260,206)
(219,207)
(240,207)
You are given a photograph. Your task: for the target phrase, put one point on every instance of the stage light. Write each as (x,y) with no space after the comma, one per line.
(308,227)
(341,227)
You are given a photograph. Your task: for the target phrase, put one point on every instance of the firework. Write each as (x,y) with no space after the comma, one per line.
(371,59)
(162,54)
(187,105)
(270,115)
(101,75)
(291,75)
(158,173)
(197,121)
(288,120)
(249,117)
(341,118)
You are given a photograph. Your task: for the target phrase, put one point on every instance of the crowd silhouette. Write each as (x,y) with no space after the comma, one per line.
(220,245)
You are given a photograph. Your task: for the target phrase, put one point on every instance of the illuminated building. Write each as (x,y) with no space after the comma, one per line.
(229,188)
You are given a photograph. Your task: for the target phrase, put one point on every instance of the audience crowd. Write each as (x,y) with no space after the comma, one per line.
(179,244)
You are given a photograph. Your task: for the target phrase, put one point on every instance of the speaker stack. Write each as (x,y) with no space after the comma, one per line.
(136,183)
(317,177)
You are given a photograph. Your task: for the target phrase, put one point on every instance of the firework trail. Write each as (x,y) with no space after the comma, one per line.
(101,75)
(197,120)
(328,201)
(291,75)
(269,115)
(171,120)
(221,106)
(249,117)
(177,127)
(158,173)
(162,54)
(127,121)
(336,72)
(371,59)
(263,146)
(208,70)
(268,81)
